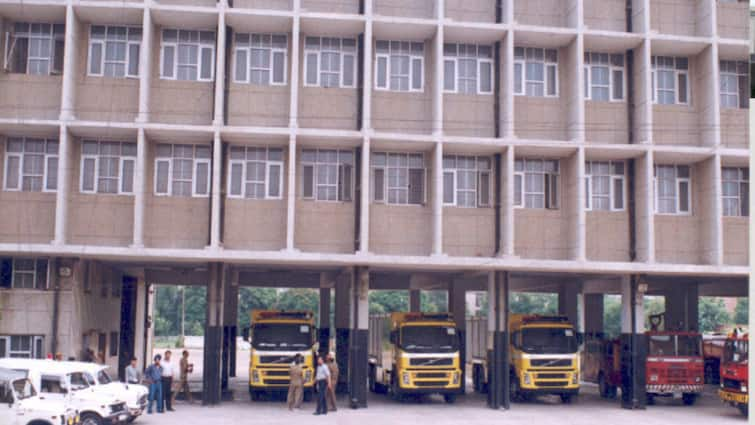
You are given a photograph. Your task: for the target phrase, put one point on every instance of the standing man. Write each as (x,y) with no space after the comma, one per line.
(153,378)
(322,381)
(133,376)
(296,385)
(183,384)
(333,369)
(167,380)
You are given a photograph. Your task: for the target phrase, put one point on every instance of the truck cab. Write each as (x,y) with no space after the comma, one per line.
(275,338)
(20,404)
(734,379)
(424,356)
(674,365)
(70,384)
(544,357)
(135,396)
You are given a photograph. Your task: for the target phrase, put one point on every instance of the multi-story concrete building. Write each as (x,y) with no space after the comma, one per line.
(578,146)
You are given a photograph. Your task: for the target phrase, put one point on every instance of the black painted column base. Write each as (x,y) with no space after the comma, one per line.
(498,372)
(211,388)
(358,368)
(463,359)
(323,337)
(633,362)
(233,352)
(342,359)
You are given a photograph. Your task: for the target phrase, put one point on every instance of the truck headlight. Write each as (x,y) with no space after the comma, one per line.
(697,379)
(653,378)
(527,380)
(455,378)
(405,378)
(743,388)
(255,376)
(575,378)
(307,375)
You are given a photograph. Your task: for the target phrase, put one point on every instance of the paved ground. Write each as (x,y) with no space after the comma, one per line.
(469,409)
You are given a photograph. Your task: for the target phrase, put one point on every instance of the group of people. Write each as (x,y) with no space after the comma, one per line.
(326,379)
(158,377)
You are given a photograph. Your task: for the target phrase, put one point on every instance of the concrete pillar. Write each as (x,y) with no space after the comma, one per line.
(61,194)
(568,302)
(343,325)
(359,338)
(593,314)
(293,112)
(498,353)
(324,328)
(291,195)
(437,199)
(574,188)
(507,203)
(457,306)
(230,327)
(364,198)
(220,70)
(645,210)
(575,92)
(711,209)
(633,344)
(415,300)
(506,83)
(145,66)
(213,336)
(643,95)
(438,73)
(367,69)
(217,176)
(681,308)
(141,328)
(140,187)
(70,61)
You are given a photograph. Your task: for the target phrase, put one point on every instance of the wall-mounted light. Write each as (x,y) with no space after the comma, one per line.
(64,271)
(642,288)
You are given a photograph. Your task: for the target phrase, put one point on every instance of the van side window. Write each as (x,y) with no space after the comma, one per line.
(6,396)
(51,384)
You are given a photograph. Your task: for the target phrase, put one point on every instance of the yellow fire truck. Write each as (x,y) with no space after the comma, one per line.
(275,338)
(422,357)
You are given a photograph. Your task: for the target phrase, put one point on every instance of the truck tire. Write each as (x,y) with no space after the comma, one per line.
(371,378)
(743,409)
(568,398)
(449,398)
(477,378)
(650,399)
(515,390)
(254,395)
(603,386)
(689,399)
(90,418)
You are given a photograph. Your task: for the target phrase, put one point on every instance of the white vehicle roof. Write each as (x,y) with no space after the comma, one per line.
(45,366)
(7,375)
(88,367)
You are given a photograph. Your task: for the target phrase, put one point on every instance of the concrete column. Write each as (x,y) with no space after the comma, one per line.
(213,336)
(707,83)
(230,327)
(324,325)
(574,188)
(643,95)
(140,330)
(498,354)
(633,344)
(70,62)
(507,84)
(710,209)
(359,338)
(415,300)
(568,302)
(457,306)
(439,75)
(145,66)
(293,83)
(645,210)
(437,198)
(575,92)
(508,228)
(575,13)
(343,325)
(140,188)
(217,170)
(364,198)
(291,195)
(681,313)
(594,310)
(220,70)
(641,16)
(367,69)
(61,194)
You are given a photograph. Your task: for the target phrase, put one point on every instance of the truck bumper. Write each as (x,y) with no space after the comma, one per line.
(550,391)
(429,390)
(674,389)
(732,398)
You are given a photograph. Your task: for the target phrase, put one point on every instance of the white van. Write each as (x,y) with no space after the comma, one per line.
(61,381)
(21,405)
(135,396)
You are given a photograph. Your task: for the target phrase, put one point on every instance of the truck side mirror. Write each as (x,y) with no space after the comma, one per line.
(245,334)
(394,337)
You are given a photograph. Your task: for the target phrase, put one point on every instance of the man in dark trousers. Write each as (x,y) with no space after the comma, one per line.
(167,380)
(331,396)
(322,382)
(153,378)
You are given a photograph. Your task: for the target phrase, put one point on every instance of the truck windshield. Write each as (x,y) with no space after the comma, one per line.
(23,388)
(548,341)
(661,345)
(78,381)
(735,351)
(429,339)
(285,336)
(689,345)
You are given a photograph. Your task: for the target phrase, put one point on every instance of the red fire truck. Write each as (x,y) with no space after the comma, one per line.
(674,365)
(734,371)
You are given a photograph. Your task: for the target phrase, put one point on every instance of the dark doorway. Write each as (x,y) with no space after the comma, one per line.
(128,324)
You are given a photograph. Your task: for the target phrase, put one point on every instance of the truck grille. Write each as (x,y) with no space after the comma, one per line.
(277,381)
(732,384)
(550,362)
(117,408)
(442,361)
(551,375)
(274,372)
(276,359)
(426,384)
(431,375)
(551,384)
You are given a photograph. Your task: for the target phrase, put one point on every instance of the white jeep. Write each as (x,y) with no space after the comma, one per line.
(71,384)
(26,407)
(135,396)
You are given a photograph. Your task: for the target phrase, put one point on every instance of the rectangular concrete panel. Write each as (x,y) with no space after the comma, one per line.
(606,122)
(401,229)
(541,233)
(677,17)
(324,226)
(606,15)
(469,115)
(735,128)
(551,13)
(405,9)
(264,4)
(539,118)
(733,19)
(607,235)
(471,10)
(331,6)
(469,232)
(736,241)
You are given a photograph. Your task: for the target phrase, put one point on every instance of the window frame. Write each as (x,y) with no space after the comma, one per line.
(678,181)
(588,65)
(479,59)
(743,177)
(548,177)
(272,50)
(386,188)
(36,346)
(677,71)
(341,51)
(169,161)
(413,56)
(478,173)
(33,273)
(103,45)
(201,45)
(46,158)
(612,177)
(57,34)
(96,158)
(522,61)
(267,164)
(340,165)
(737,74)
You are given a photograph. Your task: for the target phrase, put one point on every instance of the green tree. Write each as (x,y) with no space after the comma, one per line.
(712,314)
(533,303)
(382,302)
(612,316)
(434,301)
(299,299)
(254,299)
(742,312)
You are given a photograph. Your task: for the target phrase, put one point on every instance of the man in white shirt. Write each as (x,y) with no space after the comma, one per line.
(167,380)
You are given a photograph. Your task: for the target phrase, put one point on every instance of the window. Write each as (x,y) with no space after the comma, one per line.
(114,51)
(182,170)
(261,59)
(187,55)
(29,273)
(107,167)
(734,84)
(327,175)
(466,181)
(398,178)
(670,80)
(604,77)
(34,49)
(673,193)
(468,68)
(330,62)
(605,188)
(31,165)
(21,346)
(399,65)
(736,191)
(255,173)
(113,344)
(535,72)
(536,183)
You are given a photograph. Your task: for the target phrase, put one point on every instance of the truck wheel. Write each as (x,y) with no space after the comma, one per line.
(515,391)
(742,409)
(91,419)
(476,379)
(689,399)
(650,399)
(371,378)
(449,398)
(603,386)
(254,395)
(613,391)
(567,398)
